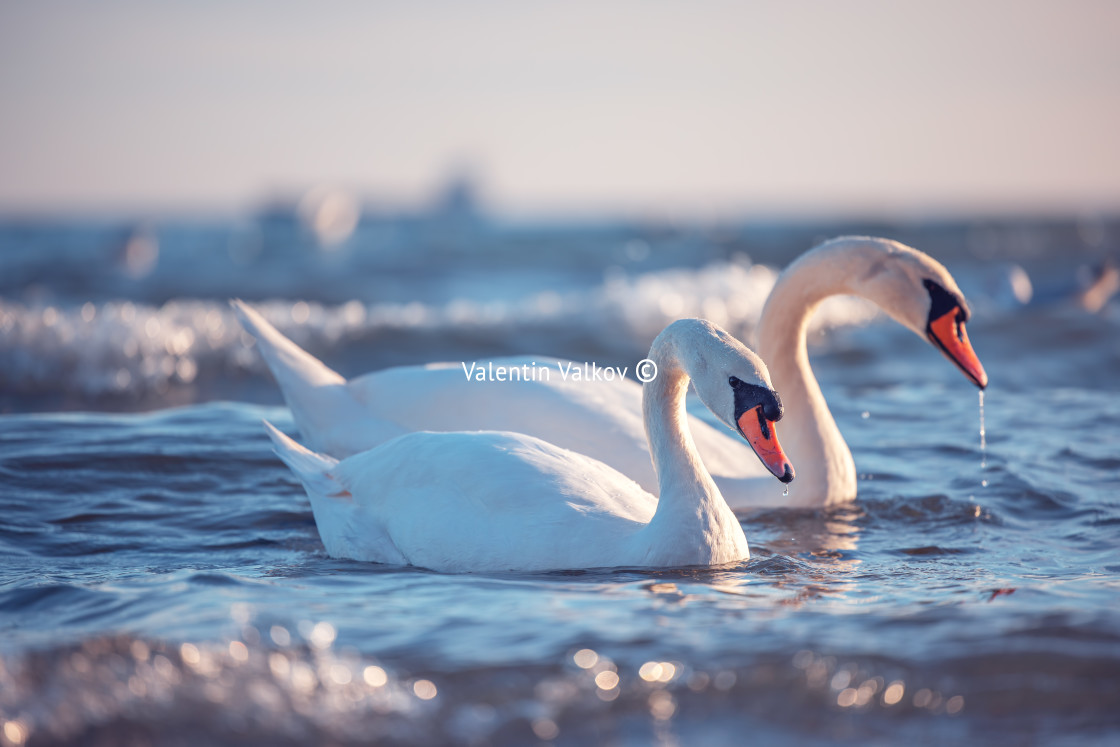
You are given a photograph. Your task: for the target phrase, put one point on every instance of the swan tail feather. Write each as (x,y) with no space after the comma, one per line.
(313,470)
(316,395)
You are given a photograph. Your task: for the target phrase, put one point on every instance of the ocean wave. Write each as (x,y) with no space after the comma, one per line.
(120,350)
(279,686)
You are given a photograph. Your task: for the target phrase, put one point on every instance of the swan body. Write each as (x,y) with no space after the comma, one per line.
(599,418)
(603,419)
(498,501)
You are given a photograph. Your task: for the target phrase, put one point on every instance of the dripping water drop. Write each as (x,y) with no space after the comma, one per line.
(983,437)
(786,491)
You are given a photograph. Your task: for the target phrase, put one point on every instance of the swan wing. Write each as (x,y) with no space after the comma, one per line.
(326,412)
(602,419)
(493,501)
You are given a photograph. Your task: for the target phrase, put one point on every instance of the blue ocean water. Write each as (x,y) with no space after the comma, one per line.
(163,583)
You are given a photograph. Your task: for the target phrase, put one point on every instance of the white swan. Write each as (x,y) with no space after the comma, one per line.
(910,286)
(496,501)
(603,419)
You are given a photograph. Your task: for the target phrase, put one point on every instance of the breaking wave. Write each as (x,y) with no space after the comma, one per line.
(122,349)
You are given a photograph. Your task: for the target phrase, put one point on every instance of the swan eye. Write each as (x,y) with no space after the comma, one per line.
(734,381)
(942,302)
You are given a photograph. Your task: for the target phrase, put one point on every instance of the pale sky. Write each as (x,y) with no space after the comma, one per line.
(680,107)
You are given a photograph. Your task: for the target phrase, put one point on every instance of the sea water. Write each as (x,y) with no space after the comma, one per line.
(163,581)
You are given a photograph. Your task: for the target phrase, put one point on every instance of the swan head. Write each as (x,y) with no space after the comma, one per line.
(734,384)
(757,409)
(919,293)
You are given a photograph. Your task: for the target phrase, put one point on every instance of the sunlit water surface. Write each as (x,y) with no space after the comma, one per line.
(163,581)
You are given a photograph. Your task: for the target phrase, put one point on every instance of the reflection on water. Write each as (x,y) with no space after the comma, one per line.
(831,534)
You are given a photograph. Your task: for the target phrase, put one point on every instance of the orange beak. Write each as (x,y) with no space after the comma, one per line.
(763,438)
(947,332)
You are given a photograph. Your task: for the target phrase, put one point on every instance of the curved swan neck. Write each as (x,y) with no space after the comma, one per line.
(799,290)
(692,518)
(675,458)
(825,470)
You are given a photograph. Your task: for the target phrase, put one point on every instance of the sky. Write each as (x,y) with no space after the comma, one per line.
(688,108)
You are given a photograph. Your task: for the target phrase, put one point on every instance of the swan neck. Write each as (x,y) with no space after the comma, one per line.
(675,459)
(692,524)
(825,471)
(793,301)
(783,343)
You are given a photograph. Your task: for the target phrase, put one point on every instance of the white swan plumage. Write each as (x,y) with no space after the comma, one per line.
(500,501)
(603,419)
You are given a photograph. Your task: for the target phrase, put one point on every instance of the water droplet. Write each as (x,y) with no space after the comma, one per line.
(983,437)
(585,658)
(786,491)
(606,680)
(374,676)
(280,635)
(424,689)
(545,729)
(322,635)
